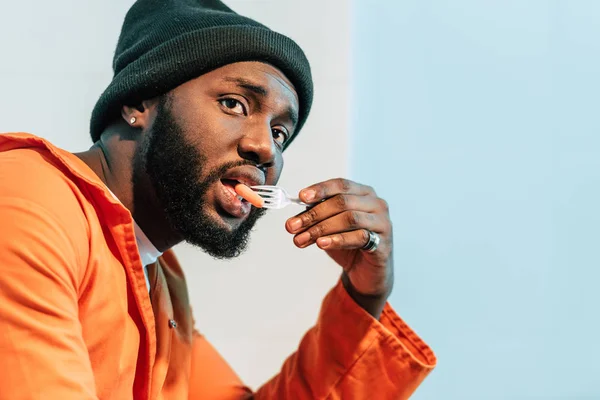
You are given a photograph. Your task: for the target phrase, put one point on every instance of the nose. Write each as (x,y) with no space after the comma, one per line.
(258,145)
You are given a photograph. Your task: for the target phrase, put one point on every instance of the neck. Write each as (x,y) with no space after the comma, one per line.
(112,159)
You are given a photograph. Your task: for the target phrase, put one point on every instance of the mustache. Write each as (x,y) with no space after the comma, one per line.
(216,173)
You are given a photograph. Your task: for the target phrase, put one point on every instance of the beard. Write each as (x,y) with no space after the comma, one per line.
(176,172)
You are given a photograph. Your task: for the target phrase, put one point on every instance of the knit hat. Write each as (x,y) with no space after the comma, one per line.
(165,43)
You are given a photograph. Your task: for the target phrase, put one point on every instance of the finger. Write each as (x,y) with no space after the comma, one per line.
(344,241)
(331,207)
(343,222)
(323,190)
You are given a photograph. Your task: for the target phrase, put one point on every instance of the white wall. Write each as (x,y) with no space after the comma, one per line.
(55,60)
(478,120)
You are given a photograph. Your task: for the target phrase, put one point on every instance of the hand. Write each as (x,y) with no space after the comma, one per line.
(339,221)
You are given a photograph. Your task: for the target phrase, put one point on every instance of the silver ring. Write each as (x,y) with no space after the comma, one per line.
(373,242)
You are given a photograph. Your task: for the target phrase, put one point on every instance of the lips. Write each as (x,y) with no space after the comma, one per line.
(248,175)
(228,199)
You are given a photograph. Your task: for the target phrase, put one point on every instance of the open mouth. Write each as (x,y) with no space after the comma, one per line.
(230,185)
(230,201)
(226,197)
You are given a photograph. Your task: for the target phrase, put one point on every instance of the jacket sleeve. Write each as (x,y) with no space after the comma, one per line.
(347,355)
(43,352)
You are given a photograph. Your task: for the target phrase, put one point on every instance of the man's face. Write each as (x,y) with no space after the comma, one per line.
(225,127)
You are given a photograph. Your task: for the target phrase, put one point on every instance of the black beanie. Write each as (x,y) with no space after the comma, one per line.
(165,43)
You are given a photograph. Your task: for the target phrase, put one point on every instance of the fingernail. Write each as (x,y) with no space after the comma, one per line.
(302,239)
(324,242)
(309,195)
(296,224)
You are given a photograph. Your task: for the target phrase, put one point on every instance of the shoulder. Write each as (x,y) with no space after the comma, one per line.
(32,174)
(36,189)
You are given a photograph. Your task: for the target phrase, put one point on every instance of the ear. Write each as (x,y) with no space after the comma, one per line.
(141,115)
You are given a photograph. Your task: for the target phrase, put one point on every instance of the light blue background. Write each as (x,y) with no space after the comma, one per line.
(478,122)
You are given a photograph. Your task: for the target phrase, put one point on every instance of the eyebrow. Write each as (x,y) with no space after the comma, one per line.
(246,84)
(292,116)
(291,113)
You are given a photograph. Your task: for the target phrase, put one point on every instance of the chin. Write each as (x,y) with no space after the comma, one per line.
(226,221)
(219,233)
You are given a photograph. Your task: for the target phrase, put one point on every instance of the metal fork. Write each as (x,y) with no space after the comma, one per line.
(276,197)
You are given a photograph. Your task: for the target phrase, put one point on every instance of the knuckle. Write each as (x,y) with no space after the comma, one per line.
(309,216)
(384,205)
(372,217)
(352,218)
(341,201)
(316,231)
(344,184)
(371,191)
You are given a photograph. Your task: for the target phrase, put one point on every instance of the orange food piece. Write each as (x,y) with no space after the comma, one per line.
(250,195)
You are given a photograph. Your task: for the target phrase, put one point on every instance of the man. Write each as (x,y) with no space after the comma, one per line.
(94,303)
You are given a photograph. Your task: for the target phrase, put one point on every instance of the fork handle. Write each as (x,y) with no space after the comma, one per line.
(298,201)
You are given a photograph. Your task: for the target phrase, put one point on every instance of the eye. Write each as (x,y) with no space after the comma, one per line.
(233,106)
(281,136)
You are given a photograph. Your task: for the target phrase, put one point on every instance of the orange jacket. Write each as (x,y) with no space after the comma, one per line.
(77,322)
